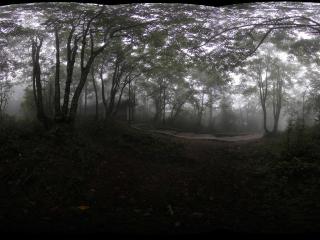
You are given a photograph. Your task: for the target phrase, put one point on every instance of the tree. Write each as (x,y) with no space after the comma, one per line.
(86,26)
(259,72)
(5,90)
(158,43)
(277,93)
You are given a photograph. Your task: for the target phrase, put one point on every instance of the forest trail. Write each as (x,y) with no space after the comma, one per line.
(199,136)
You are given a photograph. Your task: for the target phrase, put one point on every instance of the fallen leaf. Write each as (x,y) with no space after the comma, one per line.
(83,207)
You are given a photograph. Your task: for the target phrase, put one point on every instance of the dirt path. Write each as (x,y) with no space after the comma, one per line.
(196,136)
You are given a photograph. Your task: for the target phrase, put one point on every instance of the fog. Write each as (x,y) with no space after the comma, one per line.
(160,118)
(15,100)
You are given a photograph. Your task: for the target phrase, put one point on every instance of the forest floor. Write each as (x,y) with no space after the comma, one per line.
(110,178)
(203,136)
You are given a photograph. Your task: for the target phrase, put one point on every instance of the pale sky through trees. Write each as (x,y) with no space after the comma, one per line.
(226,37)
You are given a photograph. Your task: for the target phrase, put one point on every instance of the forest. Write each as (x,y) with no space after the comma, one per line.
(149,118)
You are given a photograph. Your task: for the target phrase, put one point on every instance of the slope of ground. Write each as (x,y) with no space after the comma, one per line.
(107,177)
(200,136)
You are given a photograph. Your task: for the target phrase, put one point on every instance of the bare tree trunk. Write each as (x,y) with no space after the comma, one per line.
(80,104)
(71,56)
(263,91)
(95,93)
(36,47)
(164,107)
(129,104)
(147,106)
(74,102)
(210,108)
(57,106)
(85,98)
(133,108)
(104,101)
(200,111)
(276,100)
(116,79)
(157,115)
(265,119)
(119,100)
(50,99)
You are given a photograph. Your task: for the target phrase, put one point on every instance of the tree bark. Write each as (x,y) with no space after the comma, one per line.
(36,47)
(133,106)
(95,93)
(57,106)
(263,92)
(210,108)
(84,74)
(277,101)
(104,100)
(164,107)
(71,56)
(85,98)
(265,119)
(119,99)
(50,108)
(77,93)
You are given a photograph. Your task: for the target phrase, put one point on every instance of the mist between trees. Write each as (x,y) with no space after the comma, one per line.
(238,68)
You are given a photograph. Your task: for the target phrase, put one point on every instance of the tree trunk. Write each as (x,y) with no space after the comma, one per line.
(277,98)
(85,98)
(265,119)
(71,56)
(210,108)
(200,111)
(133,107)
(104,101)
(57,106)
(275,125)
(303,109)
(95,93)
(111,102)
(119,100)
(50,108)
(164,107)
(37,83)
(75,99)
(129,103)
(158,109)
